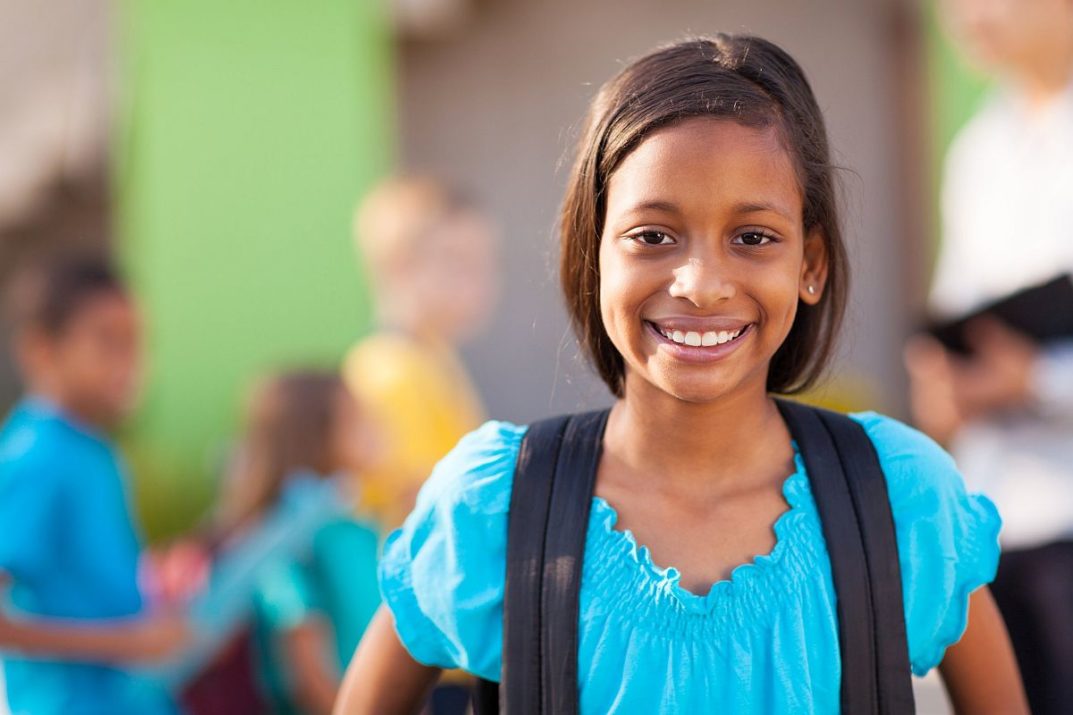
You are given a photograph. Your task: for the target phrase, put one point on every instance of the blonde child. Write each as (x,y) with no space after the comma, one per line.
(431,258)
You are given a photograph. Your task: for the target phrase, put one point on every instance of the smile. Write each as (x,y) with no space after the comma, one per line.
(705,339)
(699,345)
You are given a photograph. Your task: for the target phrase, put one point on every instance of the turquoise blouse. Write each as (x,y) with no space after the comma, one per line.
(763,641)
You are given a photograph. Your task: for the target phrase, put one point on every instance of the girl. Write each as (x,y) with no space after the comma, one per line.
(311,612)
(704,270)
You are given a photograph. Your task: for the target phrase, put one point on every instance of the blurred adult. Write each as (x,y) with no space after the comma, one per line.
(1006,412)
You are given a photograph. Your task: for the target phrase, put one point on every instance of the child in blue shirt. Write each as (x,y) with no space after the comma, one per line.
(704,271)
(69,550)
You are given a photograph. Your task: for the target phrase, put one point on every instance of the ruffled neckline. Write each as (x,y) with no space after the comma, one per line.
(744,578)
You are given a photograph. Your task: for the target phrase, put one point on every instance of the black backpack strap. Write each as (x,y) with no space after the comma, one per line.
(546,531)
(520,686)
(564,549)
(851,497)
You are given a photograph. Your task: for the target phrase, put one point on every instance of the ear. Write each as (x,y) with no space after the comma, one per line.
(813,267)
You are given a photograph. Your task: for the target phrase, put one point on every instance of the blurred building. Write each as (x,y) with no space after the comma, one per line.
(55,103)
(243,267)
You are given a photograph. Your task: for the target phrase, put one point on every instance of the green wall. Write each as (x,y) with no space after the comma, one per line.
(248,128)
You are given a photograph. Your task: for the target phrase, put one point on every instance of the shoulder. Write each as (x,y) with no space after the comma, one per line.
(903,449)
(983,135)
(37,449)
(923,480)
(383,365)
(371,351)
(478,472)
(918,471)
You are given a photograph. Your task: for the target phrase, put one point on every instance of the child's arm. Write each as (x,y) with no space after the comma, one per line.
(315,682)
(383,677)
(132,640)
(135,641)
(980,671)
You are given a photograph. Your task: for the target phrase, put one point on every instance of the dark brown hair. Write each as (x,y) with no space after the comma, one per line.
(735,77)
(289,424)
(48,295)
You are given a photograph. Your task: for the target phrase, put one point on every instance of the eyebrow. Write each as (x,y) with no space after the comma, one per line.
(746,207)
(750,208)
(656,205)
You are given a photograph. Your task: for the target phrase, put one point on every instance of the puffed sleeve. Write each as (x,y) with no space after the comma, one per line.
(947,538)
(442,574)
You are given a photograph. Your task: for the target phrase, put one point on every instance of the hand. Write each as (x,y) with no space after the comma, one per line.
(177,573)
(933,401)
(999,374)
(946,390)
(158,637)
(137,640)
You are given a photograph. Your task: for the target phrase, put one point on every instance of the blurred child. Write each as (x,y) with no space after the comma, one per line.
(431,257)
(69,550)
(313,610)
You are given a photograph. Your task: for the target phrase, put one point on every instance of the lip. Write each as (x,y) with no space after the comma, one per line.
(700,353)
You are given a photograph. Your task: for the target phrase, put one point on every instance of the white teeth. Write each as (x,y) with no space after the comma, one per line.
(695,339)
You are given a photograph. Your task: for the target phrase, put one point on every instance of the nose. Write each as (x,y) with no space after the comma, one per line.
(703,281)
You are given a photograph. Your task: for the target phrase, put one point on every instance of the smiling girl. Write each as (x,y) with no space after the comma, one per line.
(704,271)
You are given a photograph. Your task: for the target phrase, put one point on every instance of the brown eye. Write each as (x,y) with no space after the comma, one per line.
(653,238)
(754,238)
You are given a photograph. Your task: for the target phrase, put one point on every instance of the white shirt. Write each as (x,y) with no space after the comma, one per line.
(1007,205)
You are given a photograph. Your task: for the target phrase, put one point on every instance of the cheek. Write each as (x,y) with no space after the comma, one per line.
(617,303)
(83,361)
(781,301)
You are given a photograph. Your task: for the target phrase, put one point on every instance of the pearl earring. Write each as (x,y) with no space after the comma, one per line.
(812,290)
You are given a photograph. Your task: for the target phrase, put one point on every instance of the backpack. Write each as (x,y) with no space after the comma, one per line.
(548,519)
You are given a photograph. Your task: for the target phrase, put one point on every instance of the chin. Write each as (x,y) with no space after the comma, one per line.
(699,389)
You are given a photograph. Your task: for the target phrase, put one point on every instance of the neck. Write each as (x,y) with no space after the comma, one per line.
(70,408)
(1046,80)
(691,444)
(409,321)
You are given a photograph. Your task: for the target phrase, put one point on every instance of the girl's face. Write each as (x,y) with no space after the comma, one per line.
(704,258)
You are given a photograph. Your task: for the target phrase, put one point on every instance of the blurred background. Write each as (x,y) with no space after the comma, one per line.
(218,150)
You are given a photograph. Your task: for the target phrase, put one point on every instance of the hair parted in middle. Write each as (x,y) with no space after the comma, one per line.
(738,78)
